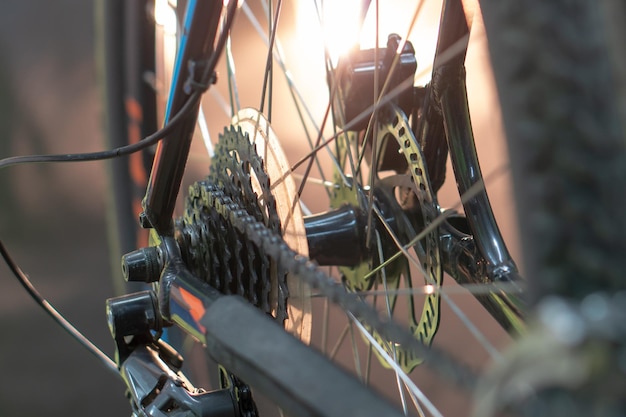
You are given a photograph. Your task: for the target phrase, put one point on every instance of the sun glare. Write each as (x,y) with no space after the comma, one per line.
(165,15)
(341,26)
(227,2)
(331,24)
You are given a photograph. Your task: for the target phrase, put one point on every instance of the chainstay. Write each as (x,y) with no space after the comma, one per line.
(309,273)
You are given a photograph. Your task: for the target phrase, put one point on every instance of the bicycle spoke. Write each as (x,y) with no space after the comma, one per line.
(459,289)
(457,311)
(405,378)
(474,289)
(355,165)
(390,315)
(339,342)
(317,144)
(269,67)
(355,353)
(233,90)
(296,96)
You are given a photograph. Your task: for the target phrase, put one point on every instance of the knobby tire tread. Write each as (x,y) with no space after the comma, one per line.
(552,68)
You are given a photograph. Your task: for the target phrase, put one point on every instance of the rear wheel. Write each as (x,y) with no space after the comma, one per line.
(378,180)
(125,65)
(392,199)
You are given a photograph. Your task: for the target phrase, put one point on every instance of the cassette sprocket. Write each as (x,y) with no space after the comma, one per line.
(250,168)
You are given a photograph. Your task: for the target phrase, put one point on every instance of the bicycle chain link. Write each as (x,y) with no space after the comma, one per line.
(235,162)
(231,167)
(224,212)
(220,256)
(216,254)
(309,273)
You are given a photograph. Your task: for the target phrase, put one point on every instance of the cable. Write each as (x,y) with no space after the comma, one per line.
(112,153)
(94,156)
(83,157)
(56,316)
(147,141)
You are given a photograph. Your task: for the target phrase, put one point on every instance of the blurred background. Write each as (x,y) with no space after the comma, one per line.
(52,216)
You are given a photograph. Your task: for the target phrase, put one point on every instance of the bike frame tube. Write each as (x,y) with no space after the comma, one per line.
(273,364)
(196,45)
(277,364)
(467,172)
(450,91)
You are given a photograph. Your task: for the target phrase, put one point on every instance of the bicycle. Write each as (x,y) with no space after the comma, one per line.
(218,205)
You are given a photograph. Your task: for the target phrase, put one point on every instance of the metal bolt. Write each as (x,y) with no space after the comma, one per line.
(142,265)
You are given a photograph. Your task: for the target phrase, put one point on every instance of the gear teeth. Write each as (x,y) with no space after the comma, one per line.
(264,289)
(273,258)
(219,254)
(236,264)
(283,293)
(225,254)
(235,161)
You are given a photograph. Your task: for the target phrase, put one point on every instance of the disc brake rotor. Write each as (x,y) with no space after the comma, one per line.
(408,201)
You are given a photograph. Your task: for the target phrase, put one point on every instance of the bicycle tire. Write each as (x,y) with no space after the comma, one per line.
(566,166)
(122,31)
(562,103)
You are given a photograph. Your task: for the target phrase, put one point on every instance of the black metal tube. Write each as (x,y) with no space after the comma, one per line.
(294,376)
(453,35)
(455,110)
(171,154)
(255,348)
(462,261)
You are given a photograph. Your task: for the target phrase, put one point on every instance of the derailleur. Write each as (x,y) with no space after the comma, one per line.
(151,368)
